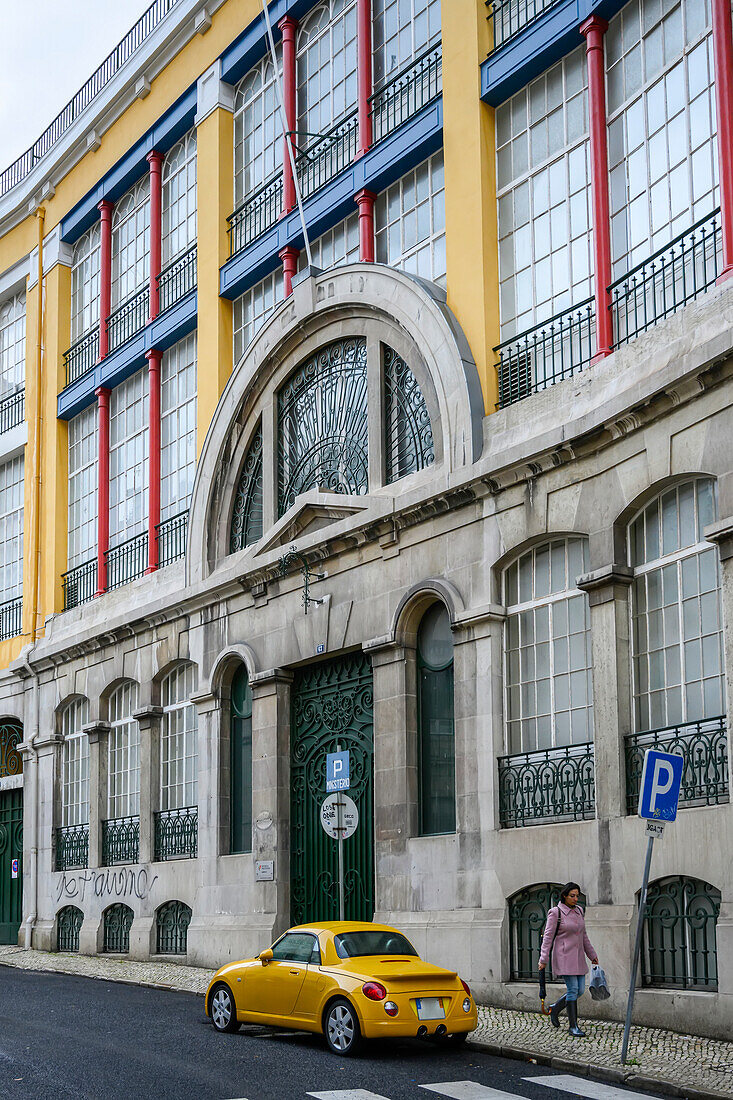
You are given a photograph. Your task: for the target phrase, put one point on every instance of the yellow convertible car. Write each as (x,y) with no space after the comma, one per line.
(347,980)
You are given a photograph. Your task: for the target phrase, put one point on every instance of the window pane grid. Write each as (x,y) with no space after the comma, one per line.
(326,66)
(337,246)
(128,459)
(85,283)
(178,426)
(124,753)
(12,345)
(410,222)
(82,540)
(258,141)
(179,751)
(253,308)
(179,199)
(11,529)
(131,242)
(75,765)
(402,29)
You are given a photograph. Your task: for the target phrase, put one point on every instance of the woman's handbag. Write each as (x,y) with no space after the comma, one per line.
(598,987)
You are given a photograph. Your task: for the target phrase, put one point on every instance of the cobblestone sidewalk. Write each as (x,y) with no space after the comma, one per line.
(678,1065)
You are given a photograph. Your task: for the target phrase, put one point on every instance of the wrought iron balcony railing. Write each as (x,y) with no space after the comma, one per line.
(703,746)
(667,280)
(71,847)
(327,155)
(127,562)
(510,17)
(256,214)
(129,318)
(82,355)
(548,785)
(79,584)
(176,833)
(99,80)
(121,840)
(546,354)
(407,92)
(11,618)
(12,411)
(177,279)
(172,538)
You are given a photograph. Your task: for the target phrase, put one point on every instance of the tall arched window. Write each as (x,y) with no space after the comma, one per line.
(677,640)
(75,764)
(326,66)
(124,752)
(258,141)
(680,948)
(85,283)
(179,198)
(402,30)
(12,345)
(436,724)
(240,802)
(179,740)
(131,242)
(549,693)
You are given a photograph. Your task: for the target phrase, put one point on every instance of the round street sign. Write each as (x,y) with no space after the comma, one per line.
(349,816)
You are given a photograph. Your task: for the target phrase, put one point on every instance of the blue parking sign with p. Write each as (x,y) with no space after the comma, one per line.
(661,780)
(337,771)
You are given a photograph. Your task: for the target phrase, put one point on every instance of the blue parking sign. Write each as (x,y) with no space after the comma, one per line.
(660,785)
(337,771)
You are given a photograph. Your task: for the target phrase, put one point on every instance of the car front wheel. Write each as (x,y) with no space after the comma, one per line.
(222,1009)
(342,1028)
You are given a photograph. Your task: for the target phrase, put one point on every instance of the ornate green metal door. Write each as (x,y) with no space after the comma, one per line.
(331,705)
(11,848)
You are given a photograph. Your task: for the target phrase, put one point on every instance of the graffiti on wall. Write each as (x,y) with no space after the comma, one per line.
(120,882)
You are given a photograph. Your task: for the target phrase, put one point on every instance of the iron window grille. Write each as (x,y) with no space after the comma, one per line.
(68,926)
(12,411)
(172,921)
(510,17)
(407,92)
(171,535)
(129,318)
(117,924)
(121,840)
(703,746)
(127,562)
(176,834)
(82,356)
(680,948)
(71,845)
(11,762)
(79,584)
(177,279)
(11,618)
(528,911)
(246,526)
(409,433)
(549,785)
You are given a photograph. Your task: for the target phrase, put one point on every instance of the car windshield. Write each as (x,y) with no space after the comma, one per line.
(353,944)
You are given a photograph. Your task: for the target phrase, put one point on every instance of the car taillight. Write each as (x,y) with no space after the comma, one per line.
(465,986)
(375,991)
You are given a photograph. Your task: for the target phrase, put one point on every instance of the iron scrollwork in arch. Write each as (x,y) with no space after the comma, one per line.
(322,424)
(11,762)
(247,516)
(408,430)
(680,949)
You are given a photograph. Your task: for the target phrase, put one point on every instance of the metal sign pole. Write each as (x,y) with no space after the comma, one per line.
(637,950)
(340,827)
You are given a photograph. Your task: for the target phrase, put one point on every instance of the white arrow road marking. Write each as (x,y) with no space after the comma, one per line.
(347,1094)
(470,1090)
(583,1086)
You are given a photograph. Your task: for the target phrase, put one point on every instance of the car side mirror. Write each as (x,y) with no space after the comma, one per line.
(266,956)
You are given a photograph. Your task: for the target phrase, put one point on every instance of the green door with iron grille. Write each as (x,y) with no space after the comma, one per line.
(332,704)
(11,848)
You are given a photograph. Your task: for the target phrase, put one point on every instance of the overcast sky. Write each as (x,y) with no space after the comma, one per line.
(48,49)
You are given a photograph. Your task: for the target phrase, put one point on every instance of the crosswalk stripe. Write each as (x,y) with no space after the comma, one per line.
(583,1086)
(470,1090)
(347,1094)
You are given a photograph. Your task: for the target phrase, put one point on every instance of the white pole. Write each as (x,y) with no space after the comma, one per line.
(288,142)
(637,950)
(339,829)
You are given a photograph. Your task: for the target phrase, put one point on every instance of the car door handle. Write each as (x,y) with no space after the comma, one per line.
(295,972)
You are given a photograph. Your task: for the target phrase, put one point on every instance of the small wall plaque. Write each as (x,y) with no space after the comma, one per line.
(264,870)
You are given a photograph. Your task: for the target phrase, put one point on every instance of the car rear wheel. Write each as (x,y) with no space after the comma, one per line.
(222,1009)
(341,1028)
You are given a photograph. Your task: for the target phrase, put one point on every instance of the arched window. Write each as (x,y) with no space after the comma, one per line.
(409,433)
(247,516)
(680,949)
(68,925)
(11,762)
(124,752)
(258,141)
(677,641)
(549,694)
(436,725)
(528,911)
(172,921)
(131,242)
(117,924)
(179,740)
(85,283)
(75,764)
(12,345)
(240,802)
(179,198)
(402,30)
(326,66)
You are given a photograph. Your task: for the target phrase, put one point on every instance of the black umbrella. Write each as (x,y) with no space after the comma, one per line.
(543,990)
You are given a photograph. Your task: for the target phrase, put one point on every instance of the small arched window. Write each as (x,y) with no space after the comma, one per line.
(247,515)
(172,921)
(124,752)
(258,141)
(677,637)
(240,802)
(680,946)
(117,924)
(436,725)
(528,911)
(68,925)
(179,740)
(75,764)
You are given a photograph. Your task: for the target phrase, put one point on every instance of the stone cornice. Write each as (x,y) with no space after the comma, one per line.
(97,731)
(606,583)
(722,534)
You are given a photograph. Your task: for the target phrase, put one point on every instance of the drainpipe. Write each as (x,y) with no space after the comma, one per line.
(30,921)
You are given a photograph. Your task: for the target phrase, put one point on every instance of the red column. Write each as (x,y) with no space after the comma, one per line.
(723,52)
(105,209)
(288,27)
(594,30)
(155,160)
(102,396)
(364,44)
(289,257)
(365,201)
(154,358)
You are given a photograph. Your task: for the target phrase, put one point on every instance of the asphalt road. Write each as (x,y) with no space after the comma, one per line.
(68,1037)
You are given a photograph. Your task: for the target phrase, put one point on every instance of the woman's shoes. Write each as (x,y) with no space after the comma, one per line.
(573,1029)
(556,1009)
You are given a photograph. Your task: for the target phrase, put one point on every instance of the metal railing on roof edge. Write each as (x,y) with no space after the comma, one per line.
(99,79)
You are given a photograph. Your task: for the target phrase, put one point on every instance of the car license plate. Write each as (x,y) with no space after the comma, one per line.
(430,1008)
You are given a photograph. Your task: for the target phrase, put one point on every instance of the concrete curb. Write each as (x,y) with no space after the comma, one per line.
(141,982)
(612,1074)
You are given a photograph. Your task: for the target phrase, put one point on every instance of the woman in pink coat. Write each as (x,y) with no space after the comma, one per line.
(565,937)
